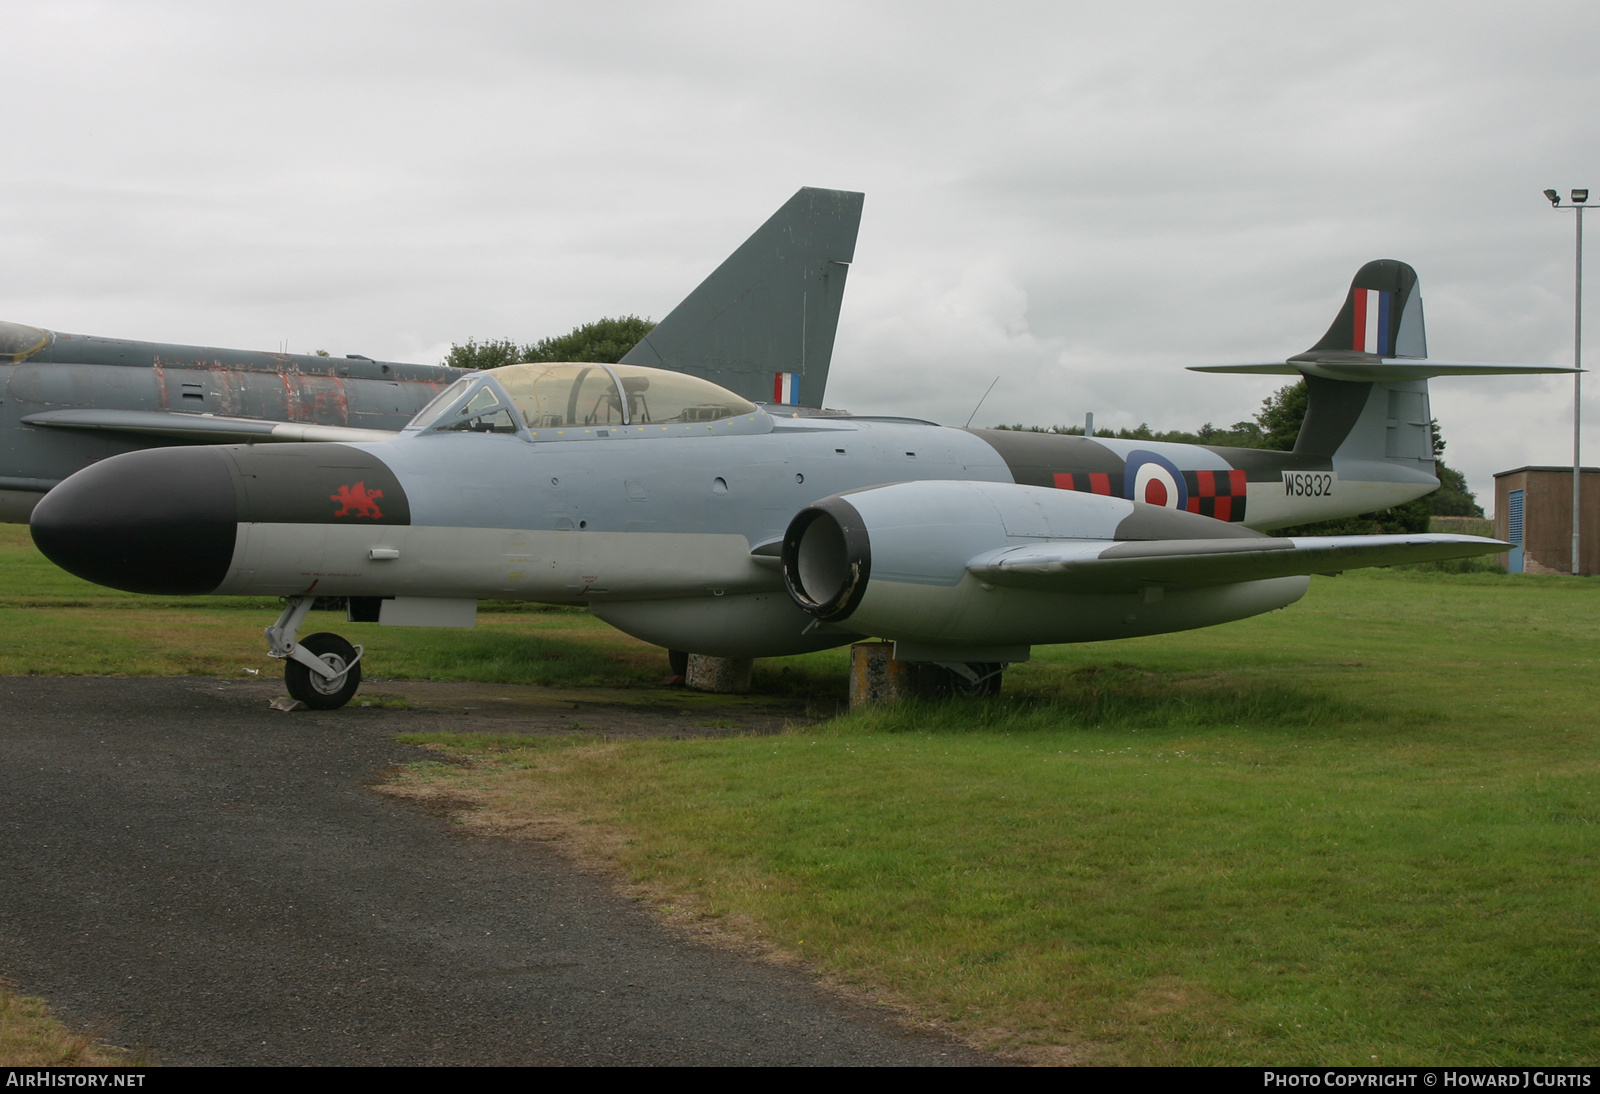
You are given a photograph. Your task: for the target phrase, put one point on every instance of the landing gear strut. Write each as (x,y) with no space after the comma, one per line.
(951,678)
(324,671)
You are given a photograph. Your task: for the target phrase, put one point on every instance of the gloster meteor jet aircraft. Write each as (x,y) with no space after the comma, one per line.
(694,518)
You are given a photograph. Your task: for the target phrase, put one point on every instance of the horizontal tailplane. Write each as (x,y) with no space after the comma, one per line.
(1368,375)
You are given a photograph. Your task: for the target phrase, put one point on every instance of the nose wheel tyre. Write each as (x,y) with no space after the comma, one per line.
(315,691)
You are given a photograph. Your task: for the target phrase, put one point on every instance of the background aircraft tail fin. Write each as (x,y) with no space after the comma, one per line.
(762,325)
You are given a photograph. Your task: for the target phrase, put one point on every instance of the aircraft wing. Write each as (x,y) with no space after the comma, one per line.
(1095,566)
(199,428)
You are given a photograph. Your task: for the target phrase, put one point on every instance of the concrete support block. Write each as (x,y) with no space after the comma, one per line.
(724,675)
(876,677)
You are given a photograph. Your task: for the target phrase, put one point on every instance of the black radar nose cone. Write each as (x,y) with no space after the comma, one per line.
(158,521)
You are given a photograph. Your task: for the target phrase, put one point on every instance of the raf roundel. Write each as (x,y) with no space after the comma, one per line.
(1155,480)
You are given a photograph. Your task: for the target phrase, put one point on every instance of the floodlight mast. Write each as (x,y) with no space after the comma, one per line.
(1579,197)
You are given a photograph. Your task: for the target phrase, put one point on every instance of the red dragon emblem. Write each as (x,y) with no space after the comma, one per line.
(358,501)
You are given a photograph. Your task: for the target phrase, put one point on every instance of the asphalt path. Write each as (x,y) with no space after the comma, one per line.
(192,872)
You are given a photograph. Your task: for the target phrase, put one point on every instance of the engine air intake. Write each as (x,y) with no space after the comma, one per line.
(827,559)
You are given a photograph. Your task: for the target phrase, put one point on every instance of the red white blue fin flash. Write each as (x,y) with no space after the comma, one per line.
(786,388)
(1372,321)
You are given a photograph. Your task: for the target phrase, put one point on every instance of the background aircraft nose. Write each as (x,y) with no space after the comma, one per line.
(157,521)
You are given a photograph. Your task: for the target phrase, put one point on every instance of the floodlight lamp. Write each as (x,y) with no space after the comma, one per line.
(1555,198)
(1579,197)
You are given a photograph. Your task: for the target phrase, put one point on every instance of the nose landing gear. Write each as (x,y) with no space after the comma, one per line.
(324,671)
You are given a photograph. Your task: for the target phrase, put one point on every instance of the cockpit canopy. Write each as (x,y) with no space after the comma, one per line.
(569,401)
(17,340)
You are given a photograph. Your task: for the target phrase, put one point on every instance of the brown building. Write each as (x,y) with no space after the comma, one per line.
(1533,509)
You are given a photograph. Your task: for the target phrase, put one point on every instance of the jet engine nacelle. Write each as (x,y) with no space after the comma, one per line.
(893,561)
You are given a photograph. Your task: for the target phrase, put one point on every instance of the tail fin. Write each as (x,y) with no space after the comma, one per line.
(1378,336)
(1367,378)
(1381,317)
(762,324)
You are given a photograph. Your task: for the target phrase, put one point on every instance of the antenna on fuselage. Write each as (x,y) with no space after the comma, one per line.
(986,391)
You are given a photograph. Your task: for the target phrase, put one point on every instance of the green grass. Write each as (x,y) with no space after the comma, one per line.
(1361,829)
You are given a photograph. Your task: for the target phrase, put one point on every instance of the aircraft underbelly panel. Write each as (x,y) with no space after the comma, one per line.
(652,565)
(734,625)
(975,613)
(268,562)
(489,563)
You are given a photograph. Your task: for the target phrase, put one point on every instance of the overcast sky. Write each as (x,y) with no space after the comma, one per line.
(1077,200)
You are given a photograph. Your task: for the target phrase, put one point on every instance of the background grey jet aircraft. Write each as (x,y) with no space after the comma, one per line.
(762,324)
(71,400)
(687,516)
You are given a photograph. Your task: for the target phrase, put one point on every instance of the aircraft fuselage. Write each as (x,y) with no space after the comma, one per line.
(669,532)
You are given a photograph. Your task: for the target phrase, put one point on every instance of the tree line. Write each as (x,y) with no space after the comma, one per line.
(604,341)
